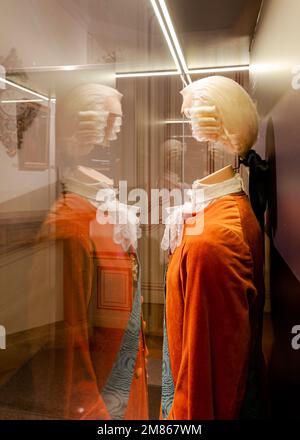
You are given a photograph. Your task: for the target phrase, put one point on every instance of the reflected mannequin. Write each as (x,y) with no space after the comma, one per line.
(100,351)
(90,115)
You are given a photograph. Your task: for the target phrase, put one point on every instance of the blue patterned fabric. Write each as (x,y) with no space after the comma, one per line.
(167,394)
(116,391)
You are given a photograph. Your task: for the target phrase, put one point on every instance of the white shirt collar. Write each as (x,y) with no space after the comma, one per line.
(201,196)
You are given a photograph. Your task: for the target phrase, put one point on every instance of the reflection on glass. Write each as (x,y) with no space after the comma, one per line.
(86,354)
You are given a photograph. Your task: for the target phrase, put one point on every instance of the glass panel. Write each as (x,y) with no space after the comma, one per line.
(82,292)
(71,294)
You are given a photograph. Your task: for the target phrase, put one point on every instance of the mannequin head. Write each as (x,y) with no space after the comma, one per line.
(173,149)
(221,111)
(90,115)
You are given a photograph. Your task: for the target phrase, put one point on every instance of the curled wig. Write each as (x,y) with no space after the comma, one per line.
(234,109)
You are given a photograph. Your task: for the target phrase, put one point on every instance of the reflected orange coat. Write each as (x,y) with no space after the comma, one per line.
(214,303)
(89,351)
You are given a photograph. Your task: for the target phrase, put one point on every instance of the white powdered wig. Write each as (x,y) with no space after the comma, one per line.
(221,111)
(90,114)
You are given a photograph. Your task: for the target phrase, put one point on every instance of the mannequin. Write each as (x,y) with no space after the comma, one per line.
(90,115)
(104,350)
(221,111)
(213,366)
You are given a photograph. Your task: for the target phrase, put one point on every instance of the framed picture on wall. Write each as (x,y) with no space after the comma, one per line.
(33,136)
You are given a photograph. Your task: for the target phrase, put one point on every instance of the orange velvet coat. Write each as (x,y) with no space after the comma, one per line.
(214,303)
(89,351)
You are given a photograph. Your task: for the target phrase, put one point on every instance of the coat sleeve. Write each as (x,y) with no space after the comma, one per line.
(216,277)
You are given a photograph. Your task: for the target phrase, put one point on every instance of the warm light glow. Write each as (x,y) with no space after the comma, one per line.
(17,86)
(69,67)
(263,68)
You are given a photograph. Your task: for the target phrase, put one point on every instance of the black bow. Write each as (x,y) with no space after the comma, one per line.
(258,183)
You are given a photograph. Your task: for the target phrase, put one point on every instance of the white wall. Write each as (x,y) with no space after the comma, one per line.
(42,32)
(274,55)
(31,288)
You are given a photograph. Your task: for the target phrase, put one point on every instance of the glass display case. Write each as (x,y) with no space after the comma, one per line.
(91,129)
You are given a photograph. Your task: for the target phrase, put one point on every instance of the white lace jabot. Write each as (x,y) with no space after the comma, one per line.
(124,217)
(201,195)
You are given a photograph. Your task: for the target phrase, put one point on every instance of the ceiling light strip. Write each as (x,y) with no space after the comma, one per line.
(172,32)
(177,121)
(143,74)
(20,101)
(191,71)
(24,89)
(220,69)
(166,35)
